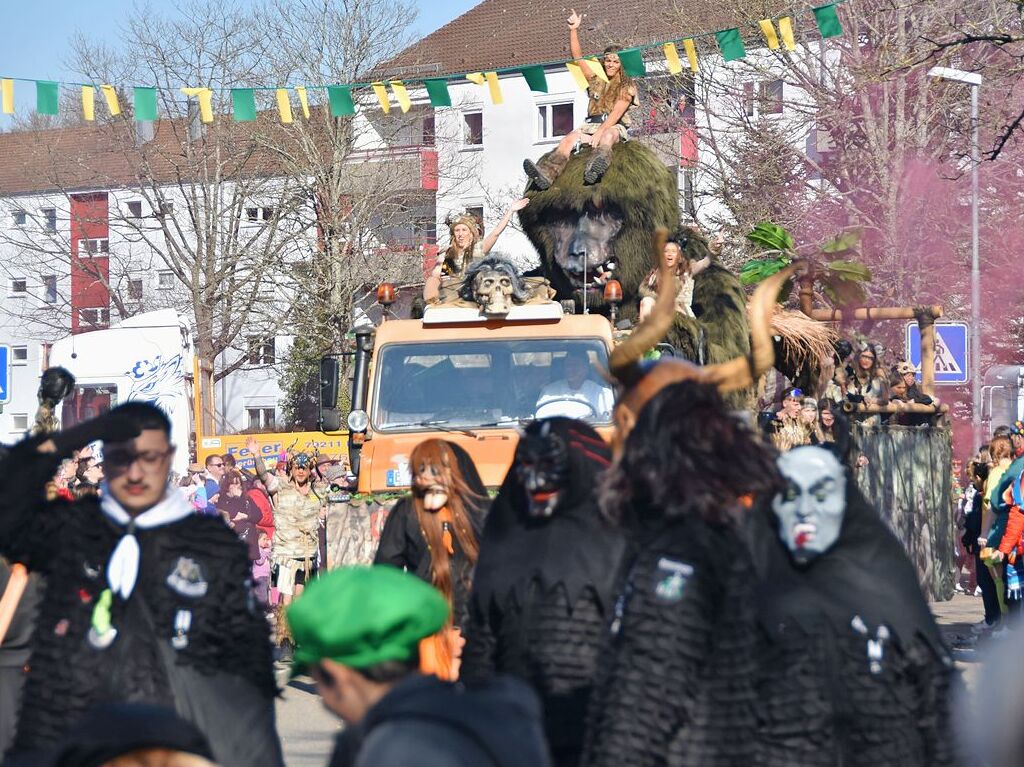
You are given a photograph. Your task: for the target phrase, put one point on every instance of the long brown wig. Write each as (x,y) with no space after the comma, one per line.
(455,261)
(617,86)
(437,456)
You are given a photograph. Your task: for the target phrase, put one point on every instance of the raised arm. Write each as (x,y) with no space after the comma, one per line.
(575,48)
(493,235)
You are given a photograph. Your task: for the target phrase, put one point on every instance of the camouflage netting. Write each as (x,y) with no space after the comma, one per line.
(908,477)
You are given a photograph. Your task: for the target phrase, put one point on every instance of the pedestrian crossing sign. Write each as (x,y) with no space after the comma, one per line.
(951,352)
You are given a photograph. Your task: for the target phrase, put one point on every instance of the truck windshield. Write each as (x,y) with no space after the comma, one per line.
(467,384)
(87,401)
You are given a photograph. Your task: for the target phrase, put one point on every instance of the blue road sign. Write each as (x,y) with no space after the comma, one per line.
(5,374)
(952,352)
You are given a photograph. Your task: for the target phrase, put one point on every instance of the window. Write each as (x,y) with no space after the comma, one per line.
(268,214)
(770,101)
(554,120)
(252,214)
(429,131)
(166,209)
(260,417)
(18,286)
(49,219)
(135,209)
(748,99)
(92,247)
(20,421)
(135,290)
(425,230)
(261,351)
(97,318)
(19,355)
(164,280)
(20,217)
(473,129)
(50,288)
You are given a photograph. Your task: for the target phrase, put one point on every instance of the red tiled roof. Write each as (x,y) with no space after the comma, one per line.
(506,33)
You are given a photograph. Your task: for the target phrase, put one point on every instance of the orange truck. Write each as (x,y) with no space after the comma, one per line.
(459,375)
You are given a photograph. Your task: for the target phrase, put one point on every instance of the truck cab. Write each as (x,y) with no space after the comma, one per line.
(458,375)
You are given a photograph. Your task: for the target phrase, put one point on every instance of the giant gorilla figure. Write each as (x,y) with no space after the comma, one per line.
(614,220)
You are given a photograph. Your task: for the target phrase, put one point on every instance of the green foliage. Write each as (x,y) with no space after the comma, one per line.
(757,269)
(769,236)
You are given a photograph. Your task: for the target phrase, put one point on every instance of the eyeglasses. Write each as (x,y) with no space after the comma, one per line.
(125,458)
(217,465)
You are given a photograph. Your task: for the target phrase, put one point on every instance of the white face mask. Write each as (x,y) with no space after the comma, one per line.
(811,508)
(435,498)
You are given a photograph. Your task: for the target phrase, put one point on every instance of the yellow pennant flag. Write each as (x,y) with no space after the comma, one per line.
(401,95)
(691,54)
(284,106)
(786,30)
(7,96)
(205,96)
(597,69)
(476,77)
(382,96)
(88,103)
(577,75)
(672,57)
(495,88)
(110,95)
(768,29)
(303,100)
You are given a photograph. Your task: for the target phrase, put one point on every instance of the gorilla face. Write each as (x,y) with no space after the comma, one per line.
(583,243)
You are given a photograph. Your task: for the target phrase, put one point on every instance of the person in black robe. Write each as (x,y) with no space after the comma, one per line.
(544,582)
(851,669)
(673,685)
(145,602)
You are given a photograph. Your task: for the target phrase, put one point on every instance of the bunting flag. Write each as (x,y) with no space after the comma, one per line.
(535,78)
(284,106)
(437,92)
(401,95)
(88,103)
(786,31)
(577,75)
(47,97)
(7,96)
(110,96)
(495,88)
(731,44)
(205,97)
(672,58)
(768,28)
(382,96)
(691,53)
(597,68)
(243,104)
(828,21)
(632,61)
(303,100)
(476,77)
(145,104)
(340,99)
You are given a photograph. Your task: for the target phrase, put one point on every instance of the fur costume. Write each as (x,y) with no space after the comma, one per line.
(188,636)
(544,585)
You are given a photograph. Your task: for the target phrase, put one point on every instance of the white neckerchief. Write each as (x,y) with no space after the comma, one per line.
(123,565)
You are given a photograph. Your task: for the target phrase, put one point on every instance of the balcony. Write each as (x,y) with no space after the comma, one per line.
(410,167)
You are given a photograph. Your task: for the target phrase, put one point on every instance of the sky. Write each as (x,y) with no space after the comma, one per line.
(36,34)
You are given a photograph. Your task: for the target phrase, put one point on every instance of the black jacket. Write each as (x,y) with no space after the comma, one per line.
(221,663)
(673,683)
(425,722)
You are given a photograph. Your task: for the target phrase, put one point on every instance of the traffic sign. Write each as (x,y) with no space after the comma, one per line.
(5,374)
(952,352)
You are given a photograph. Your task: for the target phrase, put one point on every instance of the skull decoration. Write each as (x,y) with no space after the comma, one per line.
(492,290)
(811,508)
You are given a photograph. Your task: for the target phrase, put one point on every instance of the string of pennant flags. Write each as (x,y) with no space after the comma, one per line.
(779,33)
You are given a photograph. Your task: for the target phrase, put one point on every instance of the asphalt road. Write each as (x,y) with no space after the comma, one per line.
(308,730)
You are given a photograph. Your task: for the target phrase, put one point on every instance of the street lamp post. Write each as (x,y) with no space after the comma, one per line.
(974,80)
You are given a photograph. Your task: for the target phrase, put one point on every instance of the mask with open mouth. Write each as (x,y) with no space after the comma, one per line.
(434,496)
(542,464)
(811,508)
(582,244)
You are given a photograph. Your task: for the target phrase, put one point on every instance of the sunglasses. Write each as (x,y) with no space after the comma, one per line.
(217,465)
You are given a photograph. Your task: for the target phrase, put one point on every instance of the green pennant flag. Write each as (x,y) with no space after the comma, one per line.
(632,62)
(535,78)
(243,104)
(828,21)
(47,97)
(340,97)
(731,44)
(437,90)
(145,104)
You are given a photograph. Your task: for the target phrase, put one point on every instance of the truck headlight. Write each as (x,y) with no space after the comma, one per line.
(358,420)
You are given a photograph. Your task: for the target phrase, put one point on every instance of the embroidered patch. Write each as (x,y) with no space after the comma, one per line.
(187,578)
(671,580)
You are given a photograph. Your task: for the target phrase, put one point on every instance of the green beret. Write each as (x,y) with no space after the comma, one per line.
(362,616)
